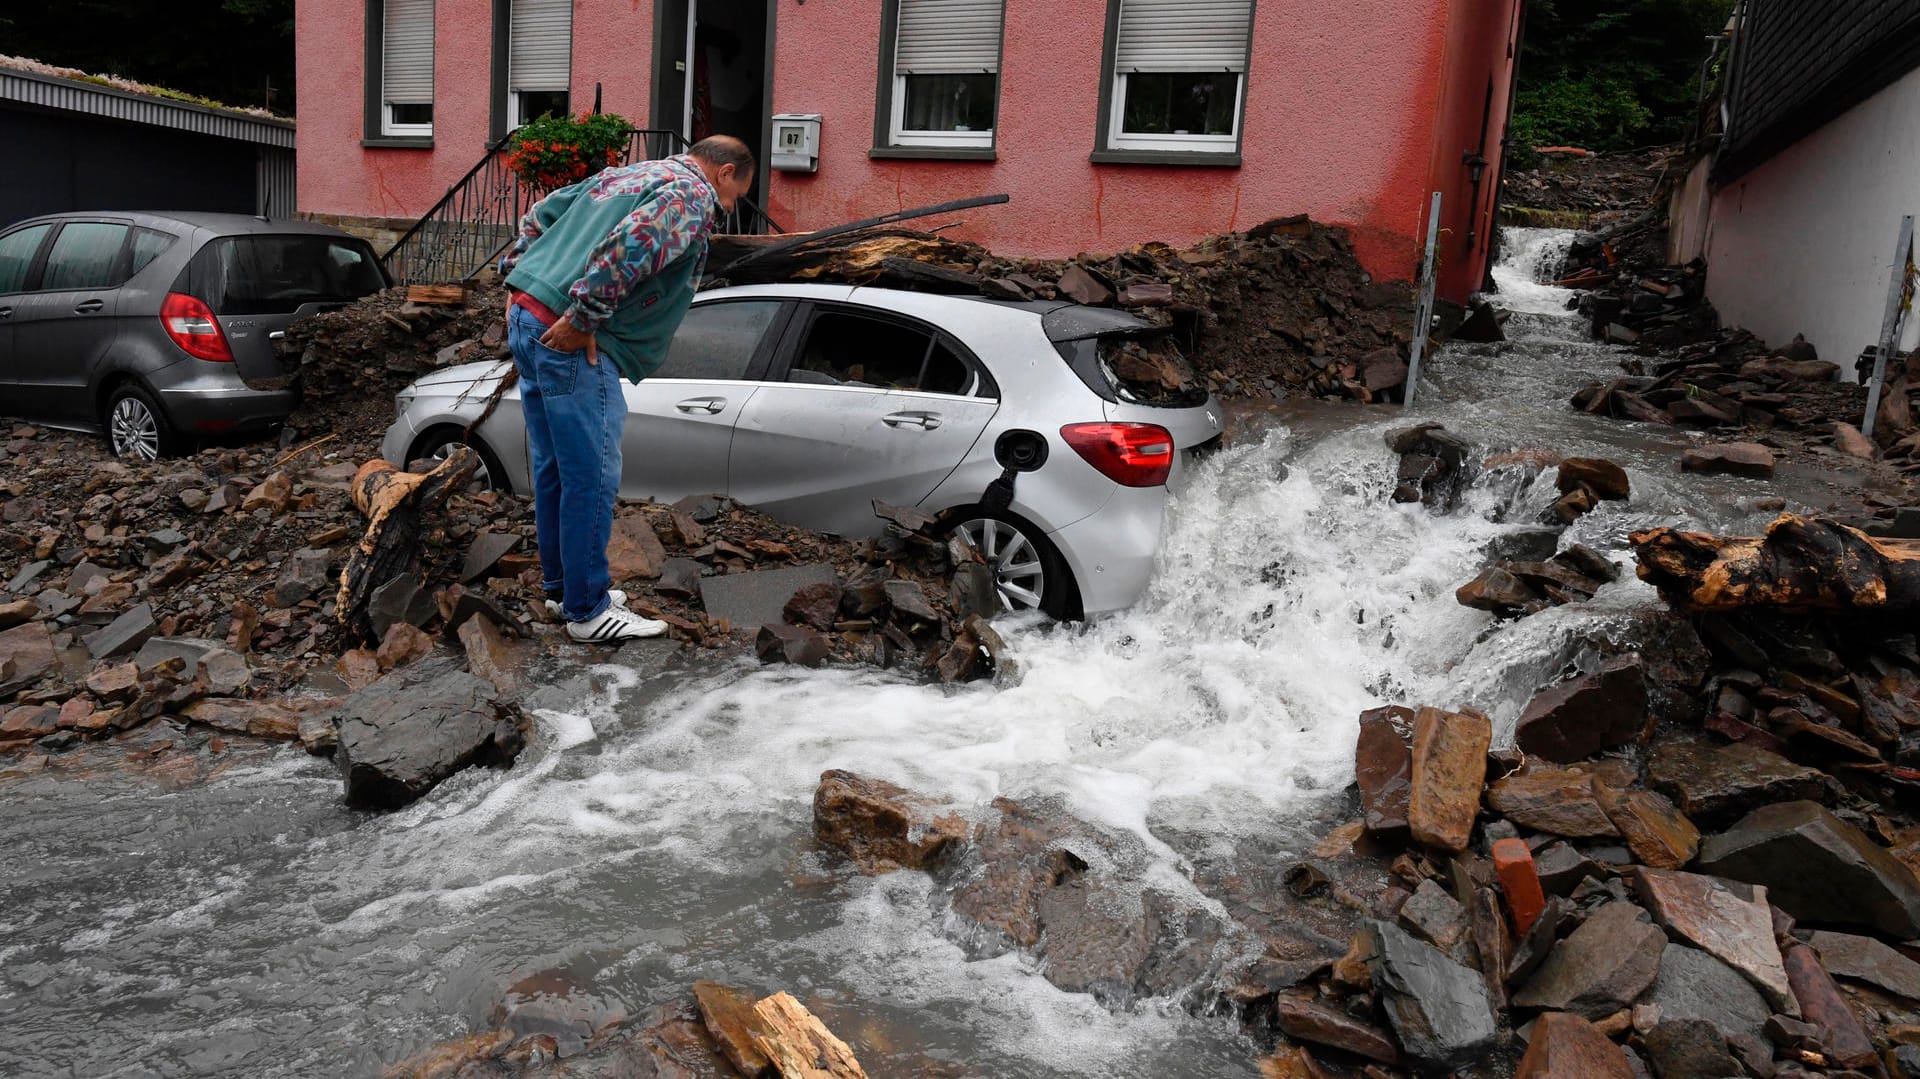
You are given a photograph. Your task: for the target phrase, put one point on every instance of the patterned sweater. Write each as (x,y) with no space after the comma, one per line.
(664,209)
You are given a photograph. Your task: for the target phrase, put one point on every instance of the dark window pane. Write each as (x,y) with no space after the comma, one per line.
(537,103)
(83,256)
(946,372)
(16,256)
(950,102)
(412,114)
(256,275)
(851,349)
(718,340)
(147,246)
(1181,104)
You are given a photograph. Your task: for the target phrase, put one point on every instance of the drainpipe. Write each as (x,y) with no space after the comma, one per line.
(1506,140)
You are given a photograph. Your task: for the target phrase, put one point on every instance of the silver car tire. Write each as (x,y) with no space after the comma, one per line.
(438,443)
(1027,571)
(136,428)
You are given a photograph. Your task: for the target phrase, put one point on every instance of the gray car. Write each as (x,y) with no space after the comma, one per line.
(157,328)
(812,402)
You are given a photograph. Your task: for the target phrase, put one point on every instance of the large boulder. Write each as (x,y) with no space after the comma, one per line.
(1577,719)
(1603,967)
(1817,868)
(1714,785)
(879,826)
(1731,921)
(404,734)
(1383,766)
(1605,479)
(1438,1008)
(1449,768)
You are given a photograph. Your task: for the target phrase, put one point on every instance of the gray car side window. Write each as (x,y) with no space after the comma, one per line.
(147,246)
(84,255)
(717,341)
(17,249)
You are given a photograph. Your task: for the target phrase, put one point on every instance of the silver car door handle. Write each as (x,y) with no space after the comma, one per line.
(926,421)
(277,335)
(708,405)
(6,312)
(88,307)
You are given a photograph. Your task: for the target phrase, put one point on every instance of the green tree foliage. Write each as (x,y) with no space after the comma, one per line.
(1612,74)
(229,50)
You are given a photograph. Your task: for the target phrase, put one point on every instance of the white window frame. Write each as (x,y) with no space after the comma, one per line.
(898,134)
(388,125)
(1118,138)
(516,103)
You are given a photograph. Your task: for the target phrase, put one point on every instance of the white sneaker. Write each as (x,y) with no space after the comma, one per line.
(614,595)
(614,625)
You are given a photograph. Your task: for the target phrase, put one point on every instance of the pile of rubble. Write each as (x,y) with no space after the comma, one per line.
(1594,189)
(203,592)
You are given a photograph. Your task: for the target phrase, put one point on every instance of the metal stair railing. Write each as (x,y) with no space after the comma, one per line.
(479,216)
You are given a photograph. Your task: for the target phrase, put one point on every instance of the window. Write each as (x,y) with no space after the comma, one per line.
(539,59)
(147,246)
(940,74)
(258,275)
(17,249)
(718,341)
(843,349)
(406,67)
(83,256)
(1178,77)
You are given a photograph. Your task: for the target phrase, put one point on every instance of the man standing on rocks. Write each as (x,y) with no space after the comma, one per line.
(604,268)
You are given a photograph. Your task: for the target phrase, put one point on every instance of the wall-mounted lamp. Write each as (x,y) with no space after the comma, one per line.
(1476,165)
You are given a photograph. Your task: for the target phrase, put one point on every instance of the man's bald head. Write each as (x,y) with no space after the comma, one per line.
(728,165)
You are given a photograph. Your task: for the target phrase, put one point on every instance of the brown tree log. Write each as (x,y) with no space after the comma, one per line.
(892,257)
(394,502)
(1801,564)
(800,1045)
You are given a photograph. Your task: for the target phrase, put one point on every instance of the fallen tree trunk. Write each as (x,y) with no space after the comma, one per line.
(394,501)
(889,257)
(1801,564)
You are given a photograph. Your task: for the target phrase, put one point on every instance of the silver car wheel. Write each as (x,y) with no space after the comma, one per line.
(480,474)
(135,430)
(1018,571)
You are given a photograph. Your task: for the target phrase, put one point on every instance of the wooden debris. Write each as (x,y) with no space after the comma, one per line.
(394,502)
(799,1044)
(437,294)
(1801,564)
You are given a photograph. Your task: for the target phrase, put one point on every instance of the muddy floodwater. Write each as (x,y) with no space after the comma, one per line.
(657,829)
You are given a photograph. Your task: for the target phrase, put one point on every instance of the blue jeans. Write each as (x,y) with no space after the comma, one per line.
(574,413)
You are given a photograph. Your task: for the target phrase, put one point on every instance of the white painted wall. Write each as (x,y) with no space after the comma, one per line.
(1804,243)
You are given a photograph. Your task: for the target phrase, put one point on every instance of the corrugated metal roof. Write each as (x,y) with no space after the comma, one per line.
(67,95)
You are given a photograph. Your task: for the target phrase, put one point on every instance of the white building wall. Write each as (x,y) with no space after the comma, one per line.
(1804,243)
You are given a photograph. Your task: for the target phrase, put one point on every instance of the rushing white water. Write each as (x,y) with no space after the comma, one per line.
(657,830)
(1533,258)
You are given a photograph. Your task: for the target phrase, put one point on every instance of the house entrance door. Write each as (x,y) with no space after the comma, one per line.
(712,72)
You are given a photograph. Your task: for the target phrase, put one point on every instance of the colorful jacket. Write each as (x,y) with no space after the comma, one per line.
(599,253)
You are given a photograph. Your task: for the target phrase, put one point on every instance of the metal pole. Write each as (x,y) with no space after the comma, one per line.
(1890,325)
(1423,313)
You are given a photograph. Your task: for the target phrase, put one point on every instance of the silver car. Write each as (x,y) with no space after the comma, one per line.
(812,402)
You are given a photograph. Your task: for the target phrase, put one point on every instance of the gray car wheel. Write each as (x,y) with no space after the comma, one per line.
(439,444)
(1020,565)
(136,427)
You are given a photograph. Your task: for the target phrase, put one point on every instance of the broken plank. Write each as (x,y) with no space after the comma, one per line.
(800,1045)
(437,294)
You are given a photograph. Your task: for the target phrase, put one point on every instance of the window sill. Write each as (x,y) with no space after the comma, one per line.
(1209,158)
(934,153)
(398,142)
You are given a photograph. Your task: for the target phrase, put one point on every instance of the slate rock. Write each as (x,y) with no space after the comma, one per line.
(1438,1008)
(1566,1046)
(467,604)
(1449,768)
(188,650)
(634,551)
(1383,766)
(261,719)
(1731,458)
(801,646)
(1498,592)
(1690,1049)
(1561,867)
(303,577)
(404,734)
(1714,785)
(758,598)
(881,827)
(1818,868)
(124,634)
(400,600)
(1605,479)
(816,605)
(28,574)
(14,612)
(485,552)
(1304,1019)
(1553,801)
(1577,719)
(1868,960)
(1658,833)
(26,655)
(1588,563)
(489,655)
(1728,920)
(1435,915)
(680,578)
(1821,1004)
(973,590)
(1695,985)
(1603,967)
(909,601)
(728,1013)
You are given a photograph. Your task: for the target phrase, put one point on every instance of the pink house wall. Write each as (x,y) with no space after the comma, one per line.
(1340,124)
(1482,40)
(613,46)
